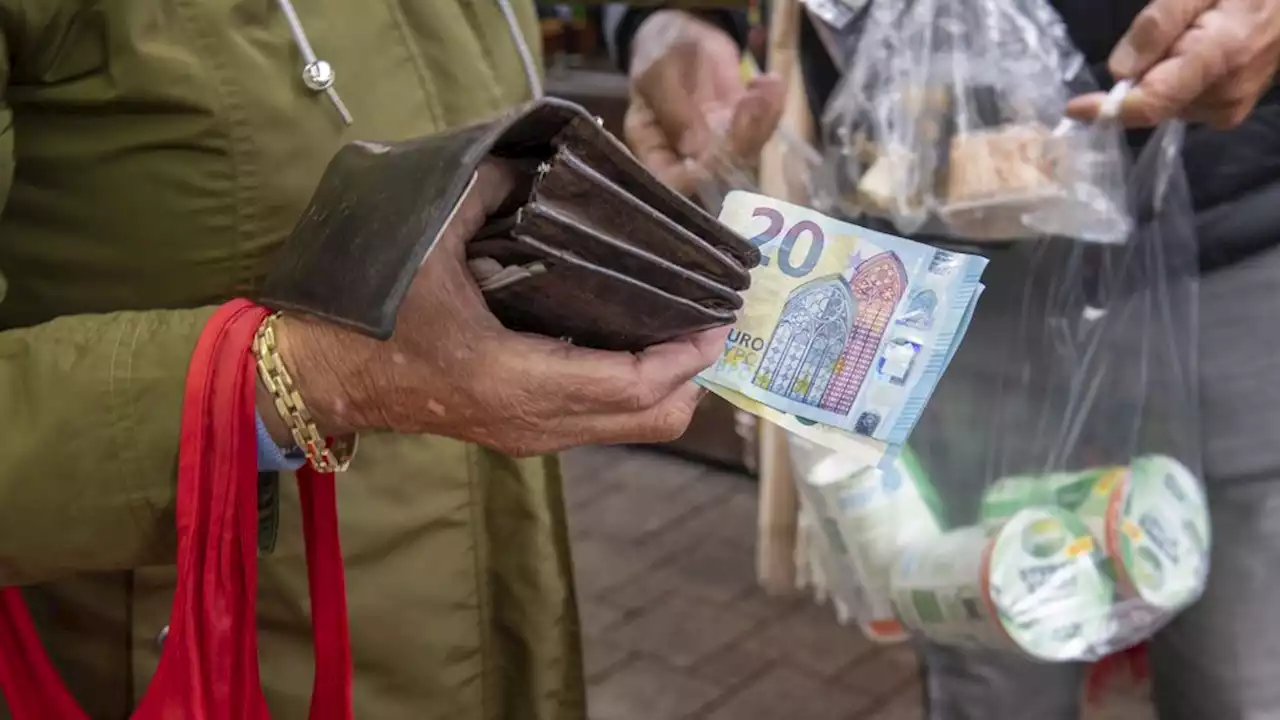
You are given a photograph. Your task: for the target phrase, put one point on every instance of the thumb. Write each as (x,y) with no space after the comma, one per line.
(693,134)
(756,116)
(676,110)
(1086,108)
(688,127)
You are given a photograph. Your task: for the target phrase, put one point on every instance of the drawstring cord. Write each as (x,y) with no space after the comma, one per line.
(1107,112)
(317,74)
(1110,109)
(522,46)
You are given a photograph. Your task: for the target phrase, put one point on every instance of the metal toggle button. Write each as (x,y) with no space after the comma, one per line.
(318,75)
(164,634)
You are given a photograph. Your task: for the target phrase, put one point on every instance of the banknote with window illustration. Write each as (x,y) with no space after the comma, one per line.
(842,326)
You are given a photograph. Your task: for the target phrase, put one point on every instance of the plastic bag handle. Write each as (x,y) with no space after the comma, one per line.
(209,667)
(1110,108)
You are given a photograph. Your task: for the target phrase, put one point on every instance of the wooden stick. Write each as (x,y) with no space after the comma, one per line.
(776,542)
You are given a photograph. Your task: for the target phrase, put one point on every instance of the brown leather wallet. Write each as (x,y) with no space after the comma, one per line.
(591,247)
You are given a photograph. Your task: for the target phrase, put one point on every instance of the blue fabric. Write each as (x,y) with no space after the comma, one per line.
(272,457)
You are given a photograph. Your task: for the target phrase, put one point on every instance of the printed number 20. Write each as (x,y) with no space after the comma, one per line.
(785,261)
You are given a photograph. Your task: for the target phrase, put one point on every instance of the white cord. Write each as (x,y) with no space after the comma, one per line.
(1110,109)
(309,58)
(522,46)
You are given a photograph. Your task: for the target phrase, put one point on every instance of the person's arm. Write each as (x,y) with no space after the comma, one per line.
(622,21)
(89,421)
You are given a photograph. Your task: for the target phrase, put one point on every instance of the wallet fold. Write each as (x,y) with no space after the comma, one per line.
(590,247)
(578,312)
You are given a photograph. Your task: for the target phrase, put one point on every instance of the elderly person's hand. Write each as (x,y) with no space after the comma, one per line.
(685,73)
(452,369)
(1204,61)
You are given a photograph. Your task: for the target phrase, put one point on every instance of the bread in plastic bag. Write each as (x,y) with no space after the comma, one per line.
(950,122)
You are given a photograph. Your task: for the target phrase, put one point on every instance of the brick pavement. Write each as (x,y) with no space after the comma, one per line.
(674,626)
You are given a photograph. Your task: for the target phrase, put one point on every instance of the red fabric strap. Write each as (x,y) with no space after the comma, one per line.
(209,667)
(1128,665)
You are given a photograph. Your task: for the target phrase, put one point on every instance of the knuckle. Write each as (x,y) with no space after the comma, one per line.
(643,395)
(672,422)
(1229,118)
(1148,28)
(1151,116)
(1240,95)
(630,391)
(1233,57)
(617,397)
(1234,44)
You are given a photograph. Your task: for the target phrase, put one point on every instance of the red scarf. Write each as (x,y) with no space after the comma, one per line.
(209,667)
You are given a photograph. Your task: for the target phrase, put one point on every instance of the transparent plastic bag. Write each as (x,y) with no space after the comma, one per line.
(725,169)
(820,569)
(1065,442)
(838,26)
(860,518)
(950,122)
(1050,503)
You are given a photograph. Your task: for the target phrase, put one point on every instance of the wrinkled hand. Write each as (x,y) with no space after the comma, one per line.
(1204,61)
(452,369)
(684,73)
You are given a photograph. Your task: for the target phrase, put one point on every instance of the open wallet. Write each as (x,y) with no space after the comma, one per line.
(590,247)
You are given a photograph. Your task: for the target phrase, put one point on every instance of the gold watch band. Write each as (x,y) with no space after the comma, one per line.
(324,456)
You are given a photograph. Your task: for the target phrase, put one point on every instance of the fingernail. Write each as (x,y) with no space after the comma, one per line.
(1122,61)
(1084,108)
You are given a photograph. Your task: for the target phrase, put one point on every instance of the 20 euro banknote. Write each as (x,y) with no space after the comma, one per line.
(842,325)
(856,448)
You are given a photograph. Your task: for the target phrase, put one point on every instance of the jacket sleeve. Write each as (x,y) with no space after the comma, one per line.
(622,20)
(89,421)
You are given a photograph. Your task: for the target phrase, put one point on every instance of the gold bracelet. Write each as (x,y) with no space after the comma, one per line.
(324,457)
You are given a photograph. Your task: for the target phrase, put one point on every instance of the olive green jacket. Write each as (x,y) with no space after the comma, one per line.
(153,155)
